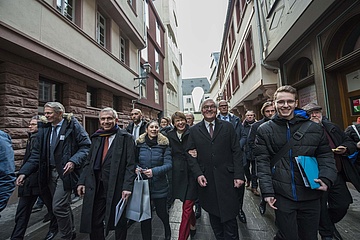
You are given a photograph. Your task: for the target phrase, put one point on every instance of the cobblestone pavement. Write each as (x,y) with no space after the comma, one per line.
(257,227)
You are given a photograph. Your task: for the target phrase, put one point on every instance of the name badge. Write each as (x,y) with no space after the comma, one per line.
(62,137)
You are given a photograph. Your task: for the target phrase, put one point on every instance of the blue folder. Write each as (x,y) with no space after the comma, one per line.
(310,168)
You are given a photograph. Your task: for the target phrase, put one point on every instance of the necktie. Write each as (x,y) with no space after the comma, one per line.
(211,130)
(225,118)
(52,145)
(106,148)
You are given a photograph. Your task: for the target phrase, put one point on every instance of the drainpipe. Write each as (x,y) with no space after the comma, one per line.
(261,43)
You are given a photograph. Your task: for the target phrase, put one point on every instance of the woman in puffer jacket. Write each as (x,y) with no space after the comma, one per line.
(154,161)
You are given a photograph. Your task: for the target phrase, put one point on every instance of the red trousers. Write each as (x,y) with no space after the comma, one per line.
(187,219)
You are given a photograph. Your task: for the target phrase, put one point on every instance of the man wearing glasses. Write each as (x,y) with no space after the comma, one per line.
(218,169)
(297,207)
(225,115)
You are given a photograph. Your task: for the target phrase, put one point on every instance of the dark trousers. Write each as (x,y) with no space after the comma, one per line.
(161,211)
(334,206)
(296,220)
(97,221)
(247,171)
(23,213)
(241,193)
(226,230)
(254,178)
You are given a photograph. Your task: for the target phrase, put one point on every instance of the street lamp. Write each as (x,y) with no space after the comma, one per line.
(145,75)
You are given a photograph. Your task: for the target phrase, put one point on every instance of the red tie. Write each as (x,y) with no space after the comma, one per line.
(211,130)
(106,147)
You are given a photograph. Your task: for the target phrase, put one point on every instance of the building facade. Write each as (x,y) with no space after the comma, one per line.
(172,63)
(312,45)
(82,53)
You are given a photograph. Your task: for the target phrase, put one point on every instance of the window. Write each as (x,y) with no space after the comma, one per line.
(158,34)
(156,89)
(66,8)
(157,63)
(146,12)
(240,8)
(247,56)
(101,29)
(49,92)
(235,78)
(188,100)
(91,125)
(122,50)
(91,97)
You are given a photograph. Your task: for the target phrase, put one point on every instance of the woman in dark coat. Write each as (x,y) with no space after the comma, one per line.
(154,161)
(184,183)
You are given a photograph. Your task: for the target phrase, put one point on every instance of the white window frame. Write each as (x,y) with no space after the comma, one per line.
(99,27)
(63,5)
(158,35)
(157,63)
(156,92)
(122,49)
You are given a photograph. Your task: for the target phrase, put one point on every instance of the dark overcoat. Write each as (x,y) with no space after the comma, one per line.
(183,182)
(72,145)
(119,176)
(219,159)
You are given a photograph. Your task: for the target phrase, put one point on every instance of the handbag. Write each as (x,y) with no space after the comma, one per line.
(138,207)
(309,170)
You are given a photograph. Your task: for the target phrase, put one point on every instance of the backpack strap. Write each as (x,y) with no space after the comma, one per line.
(297,136)
(357,132)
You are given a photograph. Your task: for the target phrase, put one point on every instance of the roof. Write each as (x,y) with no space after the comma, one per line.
(189,84)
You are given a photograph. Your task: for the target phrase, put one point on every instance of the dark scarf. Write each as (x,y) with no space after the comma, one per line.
(150,142)
(102,133)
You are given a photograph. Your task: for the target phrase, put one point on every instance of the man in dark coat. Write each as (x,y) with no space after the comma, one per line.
(297,207)
(29,192)
(267,110)
(137,126)
(59,154)
(225,115)
(107,177)
(218,169)
(336,201)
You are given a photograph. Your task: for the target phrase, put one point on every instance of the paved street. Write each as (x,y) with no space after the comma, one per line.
(257,226)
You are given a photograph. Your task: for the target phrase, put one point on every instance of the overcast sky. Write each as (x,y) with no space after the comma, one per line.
(201,25)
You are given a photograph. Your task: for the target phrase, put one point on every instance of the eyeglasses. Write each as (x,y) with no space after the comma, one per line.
(209,107)
(288,102)
(223,106)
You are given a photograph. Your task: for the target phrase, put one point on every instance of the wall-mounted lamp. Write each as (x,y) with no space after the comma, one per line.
(147,69)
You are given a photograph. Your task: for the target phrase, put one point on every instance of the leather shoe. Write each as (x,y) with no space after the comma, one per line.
(50,235)
(192,232)
(262,207)
(242,216)
(70,236)
(255,192)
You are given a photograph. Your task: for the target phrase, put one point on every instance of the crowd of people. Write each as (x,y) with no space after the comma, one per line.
(207,165)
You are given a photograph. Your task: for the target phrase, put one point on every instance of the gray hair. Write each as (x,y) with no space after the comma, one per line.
(109,109)
(56,106)
(208,100)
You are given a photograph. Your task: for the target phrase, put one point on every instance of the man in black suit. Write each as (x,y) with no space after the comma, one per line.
(137,127)
(225,115)
(218,170)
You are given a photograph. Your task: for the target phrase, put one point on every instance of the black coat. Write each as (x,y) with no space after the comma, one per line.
(183,182)
(72,146)
(236,122)
(130,128)
(119,175)
(284,178)
(219,159)
(31,184)
(340,138)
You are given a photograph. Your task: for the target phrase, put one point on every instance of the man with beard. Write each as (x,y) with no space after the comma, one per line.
(137,126)
(218,170)
(336,201)
(297,207)
(267,110)
(108,176)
